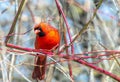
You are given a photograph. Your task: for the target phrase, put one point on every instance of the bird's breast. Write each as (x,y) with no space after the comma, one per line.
(49,41)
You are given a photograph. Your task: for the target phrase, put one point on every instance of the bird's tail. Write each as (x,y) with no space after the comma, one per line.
(39,69)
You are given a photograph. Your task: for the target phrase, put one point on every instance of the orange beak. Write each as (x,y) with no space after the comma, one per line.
(37,31)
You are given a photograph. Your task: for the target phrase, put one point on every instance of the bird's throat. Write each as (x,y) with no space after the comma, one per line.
(41,34)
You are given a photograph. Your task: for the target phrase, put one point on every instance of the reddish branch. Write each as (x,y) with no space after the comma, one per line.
(29,49)
(93,67)
(67,26)
(97,69)
(74,58)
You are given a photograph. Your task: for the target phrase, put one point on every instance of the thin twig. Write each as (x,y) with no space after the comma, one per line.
(15,19)
(64,17)
(31,13)
(66,43)
(83,29)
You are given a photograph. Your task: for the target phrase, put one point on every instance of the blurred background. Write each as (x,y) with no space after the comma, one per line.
(103,33)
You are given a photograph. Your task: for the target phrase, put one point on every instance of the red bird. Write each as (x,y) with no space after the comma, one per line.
(47,37)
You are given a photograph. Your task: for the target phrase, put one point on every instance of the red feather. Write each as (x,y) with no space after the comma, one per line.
(47,37)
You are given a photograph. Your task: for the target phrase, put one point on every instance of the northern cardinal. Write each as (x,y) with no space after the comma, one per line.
(47,37)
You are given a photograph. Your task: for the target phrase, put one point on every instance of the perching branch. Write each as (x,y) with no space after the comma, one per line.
(74,58)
